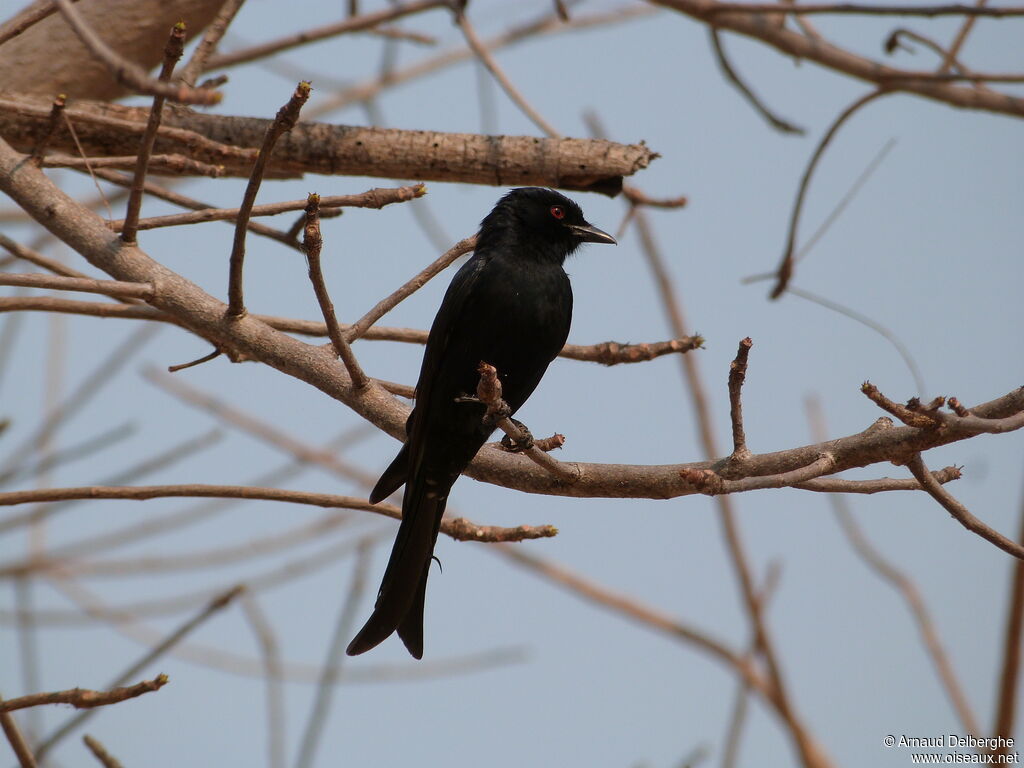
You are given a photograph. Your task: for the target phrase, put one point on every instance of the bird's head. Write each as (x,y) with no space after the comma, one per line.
(544,218)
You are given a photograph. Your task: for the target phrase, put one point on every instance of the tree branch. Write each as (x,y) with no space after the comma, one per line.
(82,698)
(959,512)
(219,140)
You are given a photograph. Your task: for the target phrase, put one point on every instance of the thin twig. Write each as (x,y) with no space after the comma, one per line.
(385,305)
(84,449)
(17,741)
(162,460)
(102,375)
(959,512)
(881,485)
(737,375)
(480,49)
(270,652)
(332,667)
(776,122)
(163,193)
(172,52)
(56,114)
(313,242)
(812,754)
(28,18)
(34,257)
(215,605)
(81,698)
(881,330)
(1009,671)
(457,528)
(208,45)
(949,59)
(260,428)
(587,590)
(193,363)
(785,269)
(865,9)
(846,199)
(100,752)
(604,353)
(355,24)
(548,24)
(738,717)
(170,163)
(191,559)
(373,198)
(83,285)
(904,585)
(286,118)
(90,546)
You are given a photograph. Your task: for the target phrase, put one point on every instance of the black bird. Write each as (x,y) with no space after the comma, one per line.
(510,305)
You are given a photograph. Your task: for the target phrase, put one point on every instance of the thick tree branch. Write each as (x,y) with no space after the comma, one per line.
(112,130)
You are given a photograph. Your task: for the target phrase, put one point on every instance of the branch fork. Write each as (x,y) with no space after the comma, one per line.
(488,392)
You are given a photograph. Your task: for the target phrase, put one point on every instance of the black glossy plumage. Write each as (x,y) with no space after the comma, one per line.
(510,305)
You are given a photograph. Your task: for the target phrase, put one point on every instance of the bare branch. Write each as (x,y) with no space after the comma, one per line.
(799,46)
(331,670)
(17,741)
(56,116)
(903,584)
(881,485)
(776,122)
(1009,671)
(232,142)
(785,269)
(865,9)
(959,512)
(359,328)
(208,45)
(737,375)
(270,652)
(373,198)
(286,118)
(85,285)
(313,242)
(461,530)
(82,698)
(213,607)
(172,52)
(100,752)
(351,24)
(26,19)
(480,49)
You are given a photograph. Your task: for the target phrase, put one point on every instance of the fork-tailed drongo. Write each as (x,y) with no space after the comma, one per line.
(510,305)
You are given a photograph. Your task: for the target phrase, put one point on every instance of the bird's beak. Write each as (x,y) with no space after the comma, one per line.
(591,234)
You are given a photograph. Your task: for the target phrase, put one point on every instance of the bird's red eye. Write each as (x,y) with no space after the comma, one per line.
(558,211)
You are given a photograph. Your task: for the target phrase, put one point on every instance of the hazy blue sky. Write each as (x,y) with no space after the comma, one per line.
(931,248)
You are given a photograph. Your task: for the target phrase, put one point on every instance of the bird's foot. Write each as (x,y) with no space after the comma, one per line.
(525,443)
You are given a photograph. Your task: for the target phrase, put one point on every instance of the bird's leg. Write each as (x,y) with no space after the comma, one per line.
(525,441)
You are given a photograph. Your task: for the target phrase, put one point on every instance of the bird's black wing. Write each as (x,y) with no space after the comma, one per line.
(441,379)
